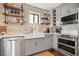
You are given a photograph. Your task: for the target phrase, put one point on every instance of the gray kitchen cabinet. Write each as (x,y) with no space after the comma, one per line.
(69,8)
(51,41)
(55,41)
(1,47)
(34,45)
(65,10)
(58,14)
(30,46)
(40,44)
(48,41)
(19,48)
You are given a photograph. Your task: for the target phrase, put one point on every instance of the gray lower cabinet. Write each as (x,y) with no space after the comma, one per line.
(1,47)
(55,42)
(19,48)
(35,45)
(40,44)
(30,46)
(48,41)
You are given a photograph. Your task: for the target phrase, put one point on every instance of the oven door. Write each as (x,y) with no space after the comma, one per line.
(67,47)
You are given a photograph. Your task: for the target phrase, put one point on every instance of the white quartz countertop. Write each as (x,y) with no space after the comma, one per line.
(34,35)
(27,36)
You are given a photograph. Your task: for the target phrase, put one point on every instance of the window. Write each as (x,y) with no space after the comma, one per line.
(30,18)
(33,18)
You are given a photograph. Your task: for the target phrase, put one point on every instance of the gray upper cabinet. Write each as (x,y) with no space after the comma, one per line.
(58,14)
(65,10)
(69,8)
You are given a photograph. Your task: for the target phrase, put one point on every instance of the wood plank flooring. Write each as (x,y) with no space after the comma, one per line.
(46,53)
(49,53)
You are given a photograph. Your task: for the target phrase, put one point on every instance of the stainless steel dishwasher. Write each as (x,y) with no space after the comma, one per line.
(13,46)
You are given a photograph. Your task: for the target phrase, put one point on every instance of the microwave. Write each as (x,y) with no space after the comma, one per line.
(70,19)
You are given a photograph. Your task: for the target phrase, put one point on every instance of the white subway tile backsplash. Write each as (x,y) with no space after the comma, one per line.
(71,29)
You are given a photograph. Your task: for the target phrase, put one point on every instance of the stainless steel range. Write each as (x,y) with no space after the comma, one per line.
(68,44)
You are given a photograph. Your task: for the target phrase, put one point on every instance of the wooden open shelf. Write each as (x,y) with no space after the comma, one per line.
(12,15)
(11,7)
(45,23)
(8,11)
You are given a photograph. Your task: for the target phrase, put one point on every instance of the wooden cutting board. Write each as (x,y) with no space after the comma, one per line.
(3,29)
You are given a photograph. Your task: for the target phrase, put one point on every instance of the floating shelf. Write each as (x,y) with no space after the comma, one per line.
(12,15)
(45,23)
(13,11)
(11,7)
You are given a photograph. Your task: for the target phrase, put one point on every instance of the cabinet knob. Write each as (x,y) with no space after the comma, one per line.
(35,43)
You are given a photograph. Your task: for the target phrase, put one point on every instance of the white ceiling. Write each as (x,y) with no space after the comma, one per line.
(47,6)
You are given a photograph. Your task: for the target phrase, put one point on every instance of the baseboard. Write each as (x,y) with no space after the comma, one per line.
(39,52)
(51,49)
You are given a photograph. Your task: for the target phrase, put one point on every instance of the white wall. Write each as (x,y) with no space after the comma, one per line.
(17,28)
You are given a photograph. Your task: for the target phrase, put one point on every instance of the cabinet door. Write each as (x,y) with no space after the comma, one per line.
(1,47)
(30,46)
(68,9)
(48,41)
(19,47)
(55,41)
(58,15)
(40,44)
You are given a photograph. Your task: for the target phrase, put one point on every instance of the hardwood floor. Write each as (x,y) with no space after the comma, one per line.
(56,53)
(46,53)
(49,53)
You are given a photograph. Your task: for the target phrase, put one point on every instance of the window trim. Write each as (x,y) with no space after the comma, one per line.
(34,18)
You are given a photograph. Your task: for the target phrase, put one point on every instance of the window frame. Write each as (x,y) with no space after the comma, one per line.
(38,21)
